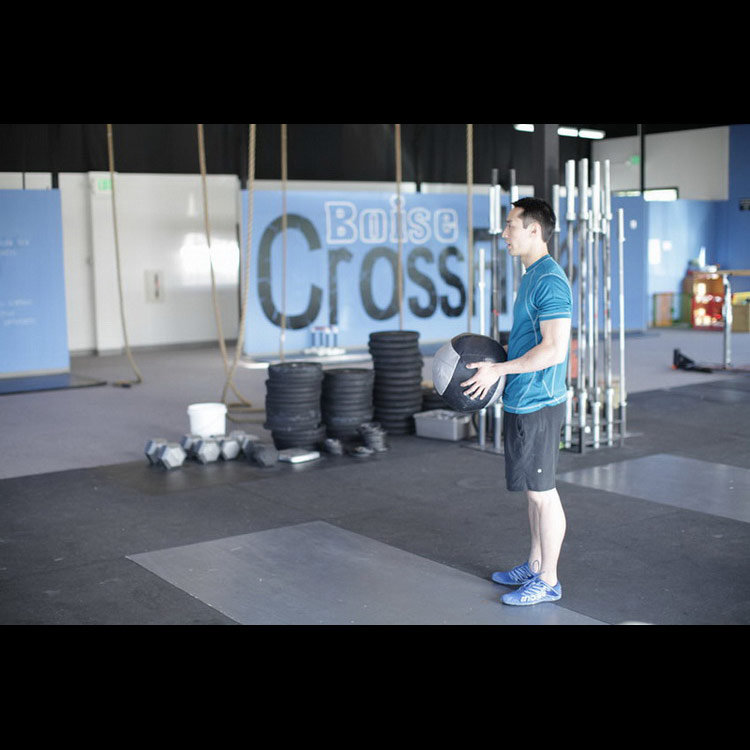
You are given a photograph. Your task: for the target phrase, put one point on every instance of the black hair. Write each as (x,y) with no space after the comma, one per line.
(535,209)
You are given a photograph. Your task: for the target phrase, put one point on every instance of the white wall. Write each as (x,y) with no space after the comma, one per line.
(694,161)
(78,258)
(161,231)
(25,180)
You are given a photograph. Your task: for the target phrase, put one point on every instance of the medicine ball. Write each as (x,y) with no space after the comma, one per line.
(449,370)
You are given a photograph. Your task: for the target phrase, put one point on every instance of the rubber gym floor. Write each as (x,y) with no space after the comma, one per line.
(658,529)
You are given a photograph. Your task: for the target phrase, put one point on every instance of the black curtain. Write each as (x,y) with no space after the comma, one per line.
(340,152)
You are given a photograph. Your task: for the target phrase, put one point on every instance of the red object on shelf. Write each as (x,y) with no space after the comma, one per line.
(706,292)
(706,312)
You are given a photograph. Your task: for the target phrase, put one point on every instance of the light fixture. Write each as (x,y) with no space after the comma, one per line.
(661,194)
(657,194)
(568,131)
(595,134)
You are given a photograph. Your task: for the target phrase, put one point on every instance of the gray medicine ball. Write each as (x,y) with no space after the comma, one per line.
(449,370)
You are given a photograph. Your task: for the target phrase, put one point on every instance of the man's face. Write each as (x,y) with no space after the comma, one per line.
(517,237)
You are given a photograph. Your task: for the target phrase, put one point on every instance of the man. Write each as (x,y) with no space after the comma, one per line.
(534,397)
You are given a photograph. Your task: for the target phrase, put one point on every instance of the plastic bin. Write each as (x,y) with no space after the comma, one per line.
(443,424)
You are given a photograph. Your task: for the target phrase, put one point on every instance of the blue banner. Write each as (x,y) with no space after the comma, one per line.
(33,325)
(342,266)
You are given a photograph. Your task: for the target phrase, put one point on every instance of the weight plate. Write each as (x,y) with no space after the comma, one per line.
(397,376)
(354,419)
(347,394)
(292,392)
(305,432)
(296,367)
(378,352)
(282,443)
(348,373)
(397,364)
(345,403)
(293,396)
(282,425)
(394,335)
(397,401)
(397,386)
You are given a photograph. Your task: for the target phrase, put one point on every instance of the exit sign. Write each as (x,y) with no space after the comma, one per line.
(101,185)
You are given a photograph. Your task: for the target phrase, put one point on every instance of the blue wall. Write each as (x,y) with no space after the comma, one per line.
(680,229)
(734,236)
(634,264)
(33,325)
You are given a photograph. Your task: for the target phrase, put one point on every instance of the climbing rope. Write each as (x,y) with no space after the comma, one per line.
(399,273)
(470,219)
(228,371)
(207,226)
(282,333)
(139,378)
(246,406)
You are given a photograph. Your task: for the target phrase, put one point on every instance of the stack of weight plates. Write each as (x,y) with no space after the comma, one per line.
(397,391)
(347,400)
(293,411)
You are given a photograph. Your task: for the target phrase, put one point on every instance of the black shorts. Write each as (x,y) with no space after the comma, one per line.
(532,444)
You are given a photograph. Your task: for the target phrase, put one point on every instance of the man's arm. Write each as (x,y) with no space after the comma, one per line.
(550,351)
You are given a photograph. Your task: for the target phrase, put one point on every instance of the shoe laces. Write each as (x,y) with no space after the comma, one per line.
(534,588)
(520,573)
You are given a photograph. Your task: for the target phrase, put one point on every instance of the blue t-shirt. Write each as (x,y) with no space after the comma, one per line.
(544,294)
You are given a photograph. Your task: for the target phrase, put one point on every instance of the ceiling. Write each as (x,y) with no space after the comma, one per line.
(619,130)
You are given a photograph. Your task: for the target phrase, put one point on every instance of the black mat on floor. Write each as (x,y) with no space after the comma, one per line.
(66,534)
(53,382)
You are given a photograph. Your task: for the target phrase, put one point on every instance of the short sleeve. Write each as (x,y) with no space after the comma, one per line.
(553,298)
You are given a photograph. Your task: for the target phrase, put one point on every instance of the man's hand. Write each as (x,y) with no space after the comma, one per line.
(487,374)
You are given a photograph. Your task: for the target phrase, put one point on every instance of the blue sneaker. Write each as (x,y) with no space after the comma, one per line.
(534,591)
(516,577)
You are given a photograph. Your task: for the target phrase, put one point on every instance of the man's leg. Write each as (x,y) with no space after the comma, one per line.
(535,553)
(547,524)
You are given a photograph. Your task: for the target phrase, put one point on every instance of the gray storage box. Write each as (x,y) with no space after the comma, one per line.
(443,424)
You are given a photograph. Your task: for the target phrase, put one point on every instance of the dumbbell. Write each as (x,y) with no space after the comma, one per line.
(152,448)
(205,450)
(188,443)
(163,453)
(238,441)
(262,453)
(247,442)
(172,456)
(229,447)
(244,441)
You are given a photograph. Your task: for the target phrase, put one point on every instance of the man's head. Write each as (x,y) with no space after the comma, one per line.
(529,227)
(535,209)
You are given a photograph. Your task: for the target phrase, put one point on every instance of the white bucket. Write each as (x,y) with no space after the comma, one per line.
(207,419)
